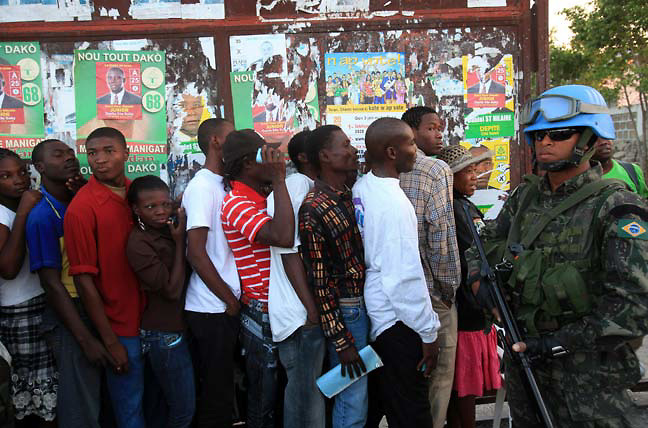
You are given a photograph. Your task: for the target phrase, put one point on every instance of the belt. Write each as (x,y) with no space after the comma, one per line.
(351,301)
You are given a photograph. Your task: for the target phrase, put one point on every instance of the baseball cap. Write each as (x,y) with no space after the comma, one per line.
(241,143)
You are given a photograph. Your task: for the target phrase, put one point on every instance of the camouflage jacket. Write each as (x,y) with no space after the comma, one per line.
(602,242)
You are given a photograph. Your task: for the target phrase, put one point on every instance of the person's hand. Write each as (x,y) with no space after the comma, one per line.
(351,362)
(430,356)
(233,308)
(28,200)
(96,353)
(119,356)
(274,160)
(178,231)
(475,287)
(312,317)
(75,183)
(447,303)
(519,347)
(497,315)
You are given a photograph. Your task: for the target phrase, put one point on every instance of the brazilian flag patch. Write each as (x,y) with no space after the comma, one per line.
(633,229)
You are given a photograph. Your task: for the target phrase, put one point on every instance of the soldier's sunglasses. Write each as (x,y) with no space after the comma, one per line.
(555,108)
(561,134)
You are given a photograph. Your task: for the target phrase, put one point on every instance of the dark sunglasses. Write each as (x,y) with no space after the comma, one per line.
(561,134)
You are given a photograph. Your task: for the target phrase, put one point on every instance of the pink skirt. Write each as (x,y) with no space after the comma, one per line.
(477,364)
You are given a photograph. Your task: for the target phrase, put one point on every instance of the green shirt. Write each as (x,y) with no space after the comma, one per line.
(620,173)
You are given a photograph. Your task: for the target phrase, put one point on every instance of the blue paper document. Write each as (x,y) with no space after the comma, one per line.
(332,382)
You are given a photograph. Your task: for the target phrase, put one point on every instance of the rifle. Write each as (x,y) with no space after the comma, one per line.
(491,279)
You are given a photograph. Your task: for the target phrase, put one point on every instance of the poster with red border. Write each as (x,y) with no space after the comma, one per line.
(119,90)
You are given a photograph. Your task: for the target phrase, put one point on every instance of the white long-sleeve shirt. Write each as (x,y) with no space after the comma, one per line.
(395,287)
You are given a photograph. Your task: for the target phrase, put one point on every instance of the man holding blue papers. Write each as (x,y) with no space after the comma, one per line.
(403,324)
(334,259)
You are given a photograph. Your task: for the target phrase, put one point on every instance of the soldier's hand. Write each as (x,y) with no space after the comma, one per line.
(519,347)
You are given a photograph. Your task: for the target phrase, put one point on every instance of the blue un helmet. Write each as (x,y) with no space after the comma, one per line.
(569,106)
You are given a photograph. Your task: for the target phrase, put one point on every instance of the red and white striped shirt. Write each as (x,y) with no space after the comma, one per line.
(243,214)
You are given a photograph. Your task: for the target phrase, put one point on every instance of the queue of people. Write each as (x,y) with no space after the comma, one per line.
(120,308)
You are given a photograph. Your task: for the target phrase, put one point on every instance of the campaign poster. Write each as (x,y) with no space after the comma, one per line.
(362,87)
(493,174)
(22,123)
(486,86)
(488,97)
(259,66)
(124,90)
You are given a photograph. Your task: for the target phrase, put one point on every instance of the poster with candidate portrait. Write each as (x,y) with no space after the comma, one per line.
(488,97)
(21,97)
(123,90)
(119,90)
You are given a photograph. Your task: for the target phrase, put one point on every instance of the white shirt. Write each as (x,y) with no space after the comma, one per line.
(26,285)
(286,311)
(202,200)
(395,287)
(120,97)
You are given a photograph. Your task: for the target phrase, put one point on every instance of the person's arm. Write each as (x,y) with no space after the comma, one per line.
(442,251)
(95,308)
(279,230)
(403,282)
(59,298)
(294,268)
(315,255)
(79,226)
(619,313)
(12,242)
(202,264)
(152,273)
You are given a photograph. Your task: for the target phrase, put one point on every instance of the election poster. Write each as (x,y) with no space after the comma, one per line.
(493,174)
(124,90)
(21,97)
(259,73)
(362,87)
(488,97)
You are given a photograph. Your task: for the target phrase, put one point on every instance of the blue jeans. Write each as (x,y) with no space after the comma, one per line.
(126,390)
(302,355)
(79,384)
(261,361)
(170,396)
(350,408)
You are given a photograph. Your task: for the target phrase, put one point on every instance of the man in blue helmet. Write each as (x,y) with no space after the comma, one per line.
(579,283)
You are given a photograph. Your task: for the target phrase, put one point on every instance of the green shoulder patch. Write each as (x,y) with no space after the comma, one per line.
(632,229)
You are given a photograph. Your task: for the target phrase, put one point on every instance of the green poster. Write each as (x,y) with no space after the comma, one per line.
(490,125)
(242,83)
(123,90)
(21,97)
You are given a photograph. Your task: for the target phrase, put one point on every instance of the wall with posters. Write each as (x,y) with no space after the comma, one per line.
(267,66)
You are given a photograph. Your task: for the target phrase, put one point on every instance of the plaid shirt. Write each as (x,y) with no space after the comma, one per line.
(333,256)
(429,187)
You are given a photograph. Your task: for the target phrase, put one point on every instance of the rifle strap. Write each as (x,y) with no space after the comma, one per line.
(632,173)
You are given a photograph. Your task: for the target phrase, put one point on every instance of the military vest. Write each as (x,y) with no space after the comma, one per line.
(554,247)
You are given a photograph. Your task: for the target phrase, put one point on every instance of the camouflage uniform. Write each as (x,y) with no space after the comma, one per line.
(599,247)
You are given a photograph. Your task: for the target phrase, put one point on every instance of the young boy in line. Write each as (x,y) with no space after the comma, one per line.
(403,324)
(97,224)
(334,259)
(211,305)
(79,354)
(294,318)
(250,232)
(428,186)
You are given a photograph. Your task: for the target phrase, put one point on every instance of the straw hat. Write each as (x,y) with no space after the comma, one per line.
(458,157)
